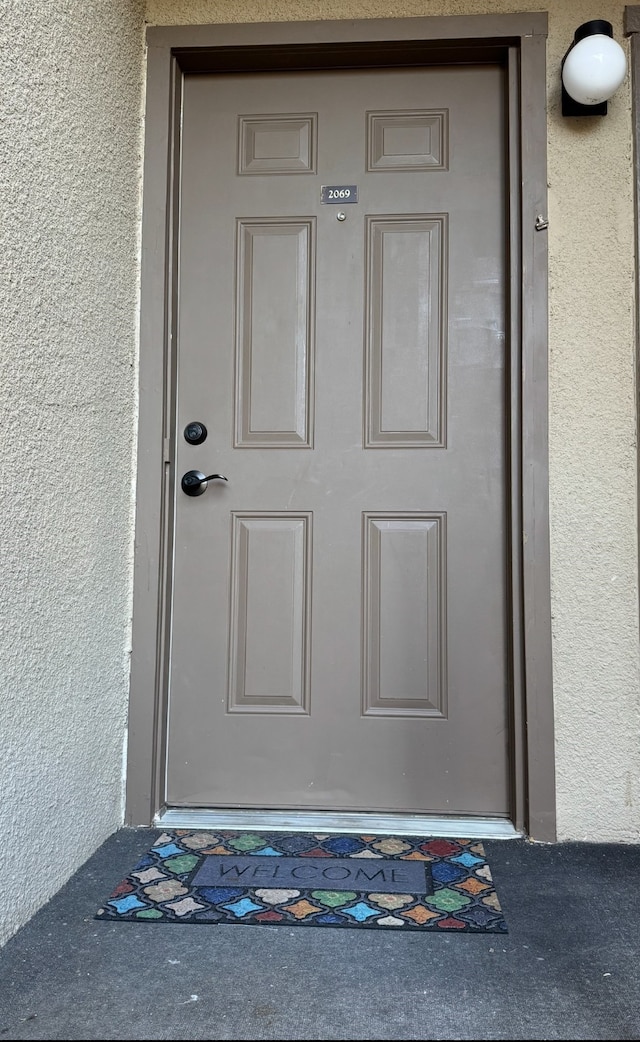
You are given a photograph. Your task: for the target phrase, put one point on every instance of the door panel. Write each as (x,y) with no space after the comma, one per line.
(275,346)
(405,331)
(339,607)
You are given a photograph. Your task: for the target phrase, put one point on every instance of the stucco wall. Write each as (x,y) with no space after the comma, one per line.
(70,129)
(592,416)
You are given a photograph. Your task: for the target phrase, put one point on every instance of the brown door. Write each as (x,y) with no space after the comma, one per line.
(339,608)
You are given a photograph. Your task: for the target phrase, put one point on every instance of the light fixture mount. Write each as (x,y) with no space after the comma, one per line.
(592,69)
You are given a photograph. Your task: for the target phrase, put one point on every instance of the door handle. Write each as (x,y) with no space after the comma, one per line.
(194,482)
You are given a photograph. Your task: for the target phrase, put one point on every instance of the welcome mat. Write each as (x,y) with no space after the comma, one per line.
(310,879)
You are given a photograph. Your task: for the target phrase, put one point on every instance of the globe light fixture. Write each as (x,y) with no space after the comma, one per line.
(592,70)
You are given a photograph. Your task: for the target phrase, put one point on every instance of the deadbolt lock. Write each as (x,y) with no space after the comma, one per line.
(195,432)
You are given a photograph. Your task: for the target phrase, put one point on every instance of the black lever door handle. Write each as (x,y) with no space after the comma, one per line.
(194,482)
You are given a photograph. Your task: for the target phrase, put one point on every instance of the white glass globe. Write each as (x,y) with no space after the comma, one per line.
(594,69)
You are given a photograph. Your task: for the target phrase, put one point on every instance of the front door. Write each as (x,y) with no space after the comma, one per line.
(339,604)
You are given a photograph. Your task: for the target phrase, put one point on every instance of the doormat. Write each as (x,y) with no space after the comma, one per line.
(311,879)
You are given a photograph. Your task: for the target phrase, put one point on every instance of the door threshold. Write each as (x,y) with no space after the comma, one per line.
(336,821)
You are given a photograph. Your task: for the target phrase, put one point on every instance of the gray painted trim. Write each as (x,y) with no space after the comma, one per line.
(310,821)
(454,27)
(149,551)
(632,29)
(631,20)
(535,440)
(534,795)
(513,381)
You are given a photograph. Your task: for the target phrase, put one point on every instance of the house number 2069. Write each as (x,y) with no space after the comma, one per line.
(339,194)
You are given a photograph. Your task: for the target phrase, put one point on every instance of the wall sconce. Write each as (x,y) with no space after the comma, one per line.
(592,70)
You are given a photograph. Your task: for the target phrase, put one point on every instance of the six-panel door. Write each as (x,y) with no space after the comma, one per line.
(339,607)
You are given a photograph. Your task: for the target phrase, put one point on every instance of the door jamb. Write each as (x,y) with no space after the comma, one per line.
(174,51)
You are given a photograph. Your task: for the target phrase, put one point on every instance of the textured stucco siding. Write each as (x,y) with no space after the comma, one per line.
(70,141)
(592,412)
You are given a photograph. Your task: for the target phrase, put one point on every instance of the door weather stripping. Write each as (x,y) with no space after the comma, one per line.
(310,821)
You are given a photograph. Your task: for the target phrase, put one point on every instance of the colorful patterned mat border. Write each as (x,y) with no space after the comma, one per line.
(160,888)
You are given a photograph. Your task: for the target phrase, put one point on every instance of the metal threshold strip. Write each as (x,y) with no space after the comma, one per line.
(326,821)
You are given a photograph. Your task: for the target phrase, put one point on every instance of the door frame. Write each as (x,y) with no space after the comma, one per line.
(632,30)
(519,42)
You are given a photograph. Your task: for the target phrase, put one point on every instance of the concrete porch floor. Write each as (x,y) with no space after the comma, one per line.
(569,968)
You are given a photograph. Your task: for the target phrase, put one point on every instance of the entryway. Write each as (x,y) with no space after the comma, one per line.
(342,605)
